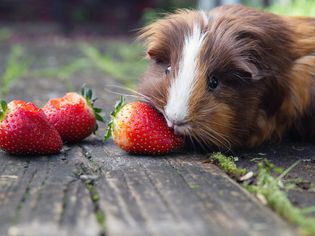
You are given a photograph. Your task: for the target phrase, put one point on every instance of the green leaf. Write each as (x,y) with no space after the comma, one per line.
(3,109)
(4,105)
(109,130)
(95,128)
(118,106)
(83,90)
(110,126)
(86,92)
(99,117)
(89,93)
(97,110)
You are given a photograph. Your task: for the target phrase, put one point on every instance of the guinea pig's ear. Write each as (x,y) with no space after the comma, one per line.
(158,55)
(248,70)
(156,41)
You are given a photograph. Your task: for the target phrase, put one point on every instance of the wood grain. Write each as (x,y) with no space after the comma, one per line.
(94,188)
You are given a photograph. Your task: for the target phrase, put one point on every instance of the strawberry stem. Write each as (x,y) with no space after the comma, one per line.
(87,93)
(118,106)
(3,109)
(110,126)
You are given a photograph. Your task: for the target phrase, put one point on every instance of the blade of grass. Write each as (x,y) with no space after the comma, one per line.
(285,172)
(308,210)
(15,68)
(267,188)
(65,73)
(123,64)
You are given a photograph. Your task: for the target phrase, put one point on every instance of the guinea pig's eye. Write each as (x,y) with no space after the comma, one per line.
(213,82)
(168,70)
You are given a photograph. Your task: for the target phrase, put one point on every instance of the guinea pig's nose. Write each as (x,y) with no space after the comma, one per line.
(169,122)
(178,122)
(173,122)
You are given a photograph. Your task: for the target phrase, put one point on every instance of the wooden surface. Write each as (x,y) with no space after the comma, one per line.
(96,189)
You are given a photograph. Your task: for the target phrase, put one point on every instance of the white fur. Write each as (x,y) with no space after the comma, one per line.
(181,87)
(205,17)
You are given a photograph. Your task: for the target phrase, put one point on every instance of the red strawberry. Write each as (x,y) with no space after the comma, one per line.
(24,129)
(138,128)
(73,115)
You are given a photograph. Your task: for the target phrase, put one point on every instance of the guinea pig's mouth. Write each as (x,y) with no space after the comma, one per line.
(180,128)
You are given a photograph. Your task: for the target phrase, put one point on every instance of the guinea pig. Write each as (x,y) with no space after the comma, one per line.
(233,77)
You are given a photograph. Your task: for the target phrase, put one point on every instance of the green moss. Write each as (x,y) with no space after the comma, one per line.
(227,165)
(93,193)
(194,186)
(100,217)
(270,188)
(99,214)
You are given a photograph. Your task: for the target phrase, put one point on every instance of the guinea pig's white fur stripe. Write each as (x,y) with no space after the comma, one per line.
(181,87)
(205,18)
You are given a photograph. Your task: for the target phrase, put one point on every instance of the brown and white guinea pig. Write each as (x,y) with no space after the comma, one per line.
(232,77)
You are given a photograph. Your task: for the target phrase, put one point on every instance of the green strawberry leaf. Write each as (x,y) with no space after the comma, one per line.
(3,109)
(110,126)
(87,93)
(119,104)
(98,110)
(95,128)
(4,105)
(99,117)
(109,130)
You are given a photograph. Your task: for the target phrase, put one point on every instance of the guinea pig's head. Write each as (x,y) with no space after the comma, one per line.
(213,75)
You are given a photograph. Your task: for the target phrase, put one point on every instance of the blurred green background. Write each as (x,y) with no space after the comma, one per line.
(55,39)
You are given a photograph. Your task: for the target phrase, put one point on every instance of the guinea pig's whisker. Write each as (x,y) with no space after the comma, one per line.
(192,141)
(203,137)
(201,142)
(220,135)
(137,96)
(120,94)
(225,141)
(157,99)
(217,138)
(129,89)
(155,84)
(206,134)
(207,111)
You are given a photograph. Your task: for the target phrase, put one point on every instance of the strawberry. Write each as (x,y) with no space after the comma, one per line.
(74,115)
(25,130)
(140,129)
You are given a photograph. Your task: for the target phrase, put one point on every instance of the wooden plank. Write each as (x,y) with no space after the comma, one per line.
(176,195)
(46,197)
(71,193)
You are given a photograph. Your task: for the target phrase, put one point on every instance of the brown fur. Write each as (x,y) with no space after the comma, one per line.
(266,69)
